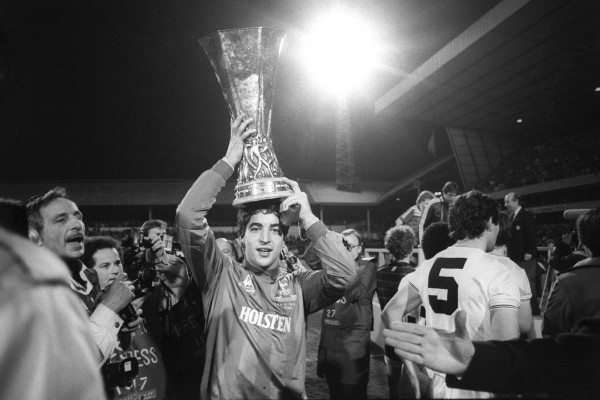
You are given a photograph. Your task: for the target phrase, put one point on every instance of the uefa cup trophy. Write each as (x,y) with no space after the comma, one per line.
(245,62)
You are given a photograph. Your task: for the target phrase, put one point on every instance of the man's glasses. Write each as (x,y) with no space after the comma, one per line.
(350,246)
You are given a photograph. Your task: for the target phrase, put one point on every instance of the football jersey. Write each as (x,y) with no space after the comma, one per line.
(519,273)
(255,319)
(463,278)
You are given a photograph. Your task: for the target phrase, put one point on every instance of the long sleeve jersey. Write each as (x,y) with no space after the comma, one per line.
(255,324)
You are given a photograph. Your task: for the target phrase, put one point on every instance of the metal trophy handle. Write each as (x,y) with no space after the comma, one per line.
(245,62)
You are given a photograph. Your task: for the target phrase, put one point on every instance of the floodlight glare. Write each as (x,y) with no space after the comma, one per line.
(341,50)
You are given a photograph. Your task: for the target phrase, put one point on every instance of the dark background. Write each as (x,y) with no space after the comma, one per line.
(121,89)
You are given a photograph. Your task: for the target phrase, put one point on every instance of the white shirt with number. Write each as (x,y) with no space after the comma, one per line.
(463,278)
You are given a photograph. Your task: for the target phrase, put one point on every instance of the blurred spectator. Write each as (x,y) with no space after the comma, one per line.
(436,238)
(567,252)
(344,349)
(551,159)
(399,241)
(522,243)
(575,293)
(438,209)
(412,216)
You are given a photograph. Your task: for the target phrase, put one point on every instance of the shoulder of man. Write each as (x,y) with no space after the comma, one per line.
(433,202)
(368,262)
(586,264)
(35,262)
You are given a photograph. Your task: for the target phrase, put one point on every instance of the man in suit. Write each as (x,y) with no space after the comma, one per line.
(521,245)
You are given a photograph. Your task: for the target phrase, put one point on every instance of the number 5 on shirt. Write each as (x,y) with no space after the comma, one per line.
(443,288)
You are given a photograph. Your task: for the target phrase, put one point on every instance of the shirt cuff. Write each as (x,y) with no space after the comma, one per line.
(308,222)
(105,325)
(316,230)
(104,316)
(228,163)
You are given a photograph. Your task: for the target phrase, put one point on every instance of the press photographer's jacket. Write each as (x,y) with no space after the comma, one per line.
(256,325)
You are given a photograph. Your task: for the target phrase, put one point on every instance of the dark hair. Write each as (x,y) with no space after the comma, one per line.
(450,187)
(93,244)
(13,216)
(469,214)
(425,195)
(399,241)
(150,224)
(504,232)
(436,238)
(263,206)
(36,203)
(588,229)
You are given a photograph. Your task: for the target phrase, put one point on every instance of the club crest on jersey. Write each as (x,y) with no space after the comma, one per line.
(248,285)
(284,293)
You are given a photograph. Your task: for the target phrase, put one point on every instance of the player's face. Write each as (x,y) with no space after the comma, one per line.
(107,264)
(263,240)
(63,231)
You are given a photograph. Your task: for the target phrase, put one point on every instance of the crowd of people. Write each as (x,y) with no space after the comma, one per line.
(549,159)
(225,317)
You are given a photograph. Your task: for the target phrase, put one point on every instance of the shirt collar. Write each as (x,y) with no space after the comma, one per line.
(588,261)
(77,286)
(517,211)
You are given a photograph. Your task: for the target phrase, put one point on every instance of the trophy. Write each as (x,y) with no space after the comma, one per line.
(245,62)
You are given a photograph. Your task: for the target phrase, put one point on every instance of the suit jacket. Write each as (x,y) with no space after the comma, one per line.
(566,365)
(522,236)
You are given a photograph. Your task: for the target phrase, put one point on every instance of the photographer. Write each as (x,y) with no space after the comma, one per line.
(56,223)
(155,250)
(147,379)
(173,311)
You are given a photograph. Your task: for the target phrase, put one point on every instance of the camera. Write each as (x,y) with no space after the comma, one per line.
(142,277)
(146,242)
(120,373)
(134,241)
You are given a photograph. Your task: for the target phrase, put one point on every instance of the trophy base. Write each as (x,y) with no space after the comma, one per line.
(260,189)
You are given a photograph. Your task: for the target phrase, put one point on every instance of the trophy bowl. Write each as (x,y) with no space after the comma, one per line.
(245,62)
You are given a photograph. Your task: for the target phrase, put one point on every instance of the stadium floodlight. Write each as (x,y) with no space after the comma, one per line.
(341,50)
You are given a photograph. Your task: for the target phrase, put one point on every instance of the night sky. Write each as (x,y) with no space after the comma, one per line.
(121,89)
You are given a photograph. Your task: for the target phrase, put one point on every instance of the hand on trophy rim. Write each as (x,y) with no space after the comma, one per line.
(293,184)
(298,199)
(239,133)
